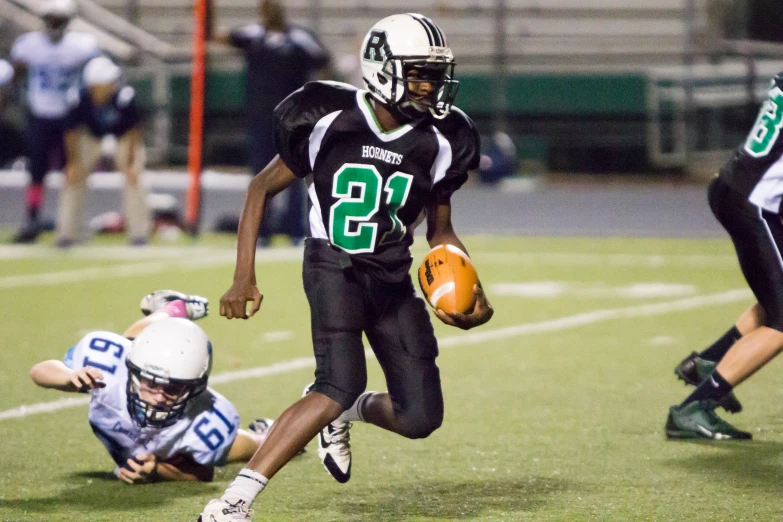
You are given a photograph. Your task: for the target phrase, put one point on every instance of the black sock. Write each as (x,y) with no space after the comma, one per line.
(719,348)
(713,387)
(32,213)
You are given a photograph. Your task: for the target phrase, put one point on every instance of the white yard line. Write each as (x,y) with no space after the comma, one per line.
(116,252)
(480,336)
(584,259)
(193,262)
(184,258)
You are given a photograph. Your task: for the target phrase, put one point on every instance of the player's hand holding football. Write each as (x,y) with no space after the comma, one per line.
(233,304)
(141,469)
(86,379)
(481,313)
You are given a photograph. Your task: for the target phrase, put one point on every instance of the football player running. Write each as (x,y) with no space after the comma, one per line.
(374,160)
(150,405)
(745,198)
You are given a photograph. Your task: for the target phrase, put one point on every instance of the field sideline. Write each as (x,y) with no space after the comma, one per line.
(554,410)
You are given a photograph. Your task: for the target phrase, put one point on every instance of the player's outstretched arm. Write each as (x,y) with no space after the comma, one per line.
(439,231)
(273,179)
(56,375)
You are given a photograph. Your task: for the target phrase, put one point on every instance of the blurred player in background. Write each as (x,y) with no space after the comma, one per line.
(280,58)
(51,61)
(6,76)
(11,140)
(375,160)
(103,107)
(150,405)
(746,199)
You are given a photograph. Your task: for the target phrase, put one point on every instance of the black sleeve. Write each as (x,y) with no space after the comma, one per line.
(242,37)
(297,115)
(463,137)
(129,111)
(317,55)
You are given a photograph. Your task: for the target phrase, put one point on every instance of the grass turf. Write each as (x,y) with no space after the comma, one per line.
(558,425)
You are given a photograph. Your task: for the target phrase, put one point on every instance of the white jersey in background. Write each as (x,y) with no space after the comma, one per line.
(205,432)
(53,68)
(6,73)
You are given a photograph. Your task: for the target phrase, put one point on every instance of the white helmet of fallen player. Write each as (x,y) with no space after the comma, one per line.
(56,15)
(409,48)
(168,365)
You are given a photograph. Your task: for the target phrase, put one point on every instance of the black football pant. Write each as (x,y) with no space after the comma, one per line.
(45,137)
(344,302)
(757,235)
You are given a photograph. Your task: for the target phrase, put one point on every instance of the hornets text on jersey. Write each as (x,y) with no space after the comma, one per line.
(53,68)
(368,186)
(204,434)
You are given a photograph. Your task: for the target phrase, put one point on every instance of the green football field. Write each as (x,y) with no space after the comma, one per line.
(554,410)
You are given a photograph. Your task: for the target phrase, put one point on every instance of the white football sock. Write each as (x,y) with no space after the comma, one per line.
(246,486)
(354,413)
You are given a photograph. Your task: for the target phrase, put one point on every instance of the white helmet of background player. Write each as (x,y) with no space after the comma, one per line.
(56,14)
(101,71)
(168,365)
(399,43)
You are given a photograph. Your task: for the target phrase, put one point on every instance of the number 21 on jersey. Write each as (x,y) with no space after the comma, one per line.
(767,128)
(350,227)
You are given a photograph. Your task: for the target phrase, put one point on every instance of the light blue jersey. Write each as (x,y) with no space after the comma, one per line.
(53,68)
(205,432)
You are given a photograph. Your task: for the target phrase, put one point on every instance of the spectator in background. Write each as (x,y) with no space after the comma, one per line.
(51,61)
(104,106)
(280,59)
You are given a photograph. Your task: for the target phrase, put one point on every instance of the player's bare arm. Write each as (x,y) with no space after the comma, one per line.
(146,468)
(439,231)
(56,375)
(267,183)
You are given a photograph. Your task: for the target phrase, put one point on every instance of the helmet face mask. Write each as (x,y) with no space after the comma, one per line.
(55,26)
(156,401)
(168,366)
(401,54)
(429,86)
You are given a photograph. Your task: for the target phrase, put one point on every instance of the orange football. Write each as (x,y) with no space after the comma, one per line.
(446,277)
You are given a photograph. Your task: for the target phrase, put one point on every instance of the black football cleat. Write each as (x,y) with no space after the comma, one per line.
(698,420)
(693,370)
(27,234)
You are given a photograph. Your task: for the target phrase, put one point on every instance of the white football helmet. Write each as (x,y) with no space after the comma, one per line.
(402,42)
(58,9)
(175,355)
(56,15)
(100,71)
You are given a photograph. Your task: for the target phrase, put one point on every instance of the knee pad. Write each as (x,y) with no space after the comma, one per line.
(419,424)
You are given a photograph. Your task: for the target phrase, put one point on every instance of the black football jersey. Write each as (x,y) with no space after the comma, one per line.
(367,186)
(756,169)
(117,116)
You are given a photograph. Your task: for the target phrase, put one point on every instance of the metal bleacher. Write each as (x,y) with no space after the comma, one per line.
(545,33)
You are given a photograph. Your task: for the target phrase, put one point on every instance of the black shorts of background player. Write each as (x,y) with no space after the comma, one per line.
(746,200)
(374,161)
